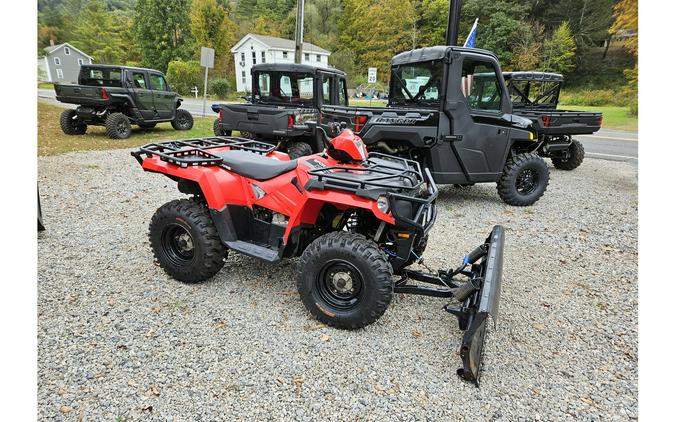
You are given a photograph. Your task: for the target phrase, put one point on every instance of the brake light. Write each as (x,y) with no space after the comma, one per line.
(291,121)
(104,94)
(359,122)
(220,115)
(546,120)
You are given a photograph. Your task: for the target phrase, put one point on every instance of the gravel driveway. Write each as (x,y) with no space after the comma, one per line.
(119,340)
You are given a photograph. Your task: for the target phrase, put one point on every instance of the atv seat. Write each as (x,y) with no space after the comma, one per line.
(255,166)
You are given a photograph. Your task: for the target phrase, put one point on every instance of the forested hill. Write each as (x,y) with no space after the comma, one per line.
(561,36)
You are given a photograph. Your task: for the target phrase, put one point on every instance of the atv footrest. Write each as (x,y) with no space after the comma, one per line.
(256,251)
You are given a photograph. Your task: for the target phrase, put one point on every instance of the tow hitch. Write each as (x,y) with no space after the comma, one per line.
(475,288)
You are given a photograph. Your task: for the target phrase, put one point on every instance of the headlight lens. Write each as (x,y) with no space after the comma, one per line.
(383,204)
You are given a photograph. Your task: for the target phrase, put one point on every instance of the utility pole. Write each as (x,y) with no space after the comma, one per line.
(452,29)
(299,24)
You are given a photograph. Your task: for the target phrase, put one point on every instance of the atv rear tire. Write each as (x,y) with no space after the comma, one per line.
(345,280)
(185,242)
(524,180)
(576,157)
(298,149)
(183,120)
(117,126)
(70,125)
(147,125)
(218,131)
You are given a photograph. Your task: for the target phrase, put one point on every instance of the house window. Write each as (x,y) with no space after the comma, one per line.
(253,56)
(59,73)
(66,50)
(80,62)
(243,59)
(243,76)
(57,61)
(318,58)
(307,56)
(262,57)
(285,54)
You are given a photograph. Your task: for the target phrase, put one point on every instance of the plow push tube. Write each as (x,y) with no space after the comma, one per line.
(476,296)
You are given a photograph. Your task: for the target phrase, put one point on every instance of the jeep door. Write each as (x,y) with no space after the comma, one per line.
(478,106)
(163,98)
(143,96)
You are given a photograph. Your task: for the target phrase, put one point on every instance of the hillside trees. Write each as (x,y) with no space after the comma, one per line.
(211,27)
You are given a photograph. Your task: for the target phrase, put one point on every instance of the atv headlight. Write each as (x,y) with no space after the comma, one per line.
(383,204)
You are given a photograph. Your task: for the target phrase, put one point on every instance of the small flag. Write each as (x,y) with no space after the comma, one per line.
(471,39)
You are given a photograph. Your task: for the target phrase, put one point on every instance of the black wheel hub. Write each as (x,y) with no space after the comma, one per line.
(122,127)
(182,121)
(340,284)
(177,244)
(527,181)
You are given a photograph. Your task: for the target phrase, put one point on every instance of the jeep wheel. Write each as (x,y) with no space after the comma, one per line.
(218,131)
(185,242)
(524,180)
(182,120)
(117,126)
(345,280)
(247,135)
(574,159)
(298,149)
(70,124)
(147,125)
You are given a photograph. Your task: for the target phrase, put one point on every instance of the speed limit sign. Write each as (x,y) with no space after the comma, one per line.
(372,75)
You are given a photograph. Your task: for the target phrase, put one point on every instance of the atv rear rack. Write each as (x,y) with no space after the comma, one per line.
(195,152)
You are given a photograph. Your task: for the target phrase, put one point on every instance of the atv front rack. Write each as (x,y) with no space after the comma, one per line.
(196,152)
(476,296)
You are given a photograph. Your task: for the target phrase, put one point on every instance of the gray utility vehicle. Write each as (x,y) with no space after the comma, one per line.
(117,97)
(535,95)
(449,109)
(284,97)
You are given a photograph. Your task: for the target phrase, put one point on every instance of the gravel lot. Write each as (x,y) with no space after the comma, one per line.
(119,340)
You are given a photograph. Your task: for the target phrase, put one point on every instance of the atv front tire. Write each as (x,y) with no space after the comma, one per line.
(183,120)
(185,242)
(70,124)
(576,157)
(298,149)
(524,180)
(117,126)
(345,280)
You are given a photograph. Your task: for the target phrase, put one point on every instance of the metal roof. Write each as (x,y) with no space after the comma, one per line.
(433,53)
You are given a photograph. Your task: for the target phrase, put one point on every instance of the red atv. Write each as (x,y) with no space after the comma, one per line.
(356,220)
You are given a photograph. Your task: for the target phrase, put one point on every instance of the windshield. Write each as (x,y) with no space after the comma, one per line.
(284,88)
(102,76)
(416,83)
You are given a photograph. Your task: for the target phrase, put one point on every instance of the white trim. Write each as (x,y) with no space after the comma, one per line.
(72,48)
(59,73)
(57,61)
(49,70)
(244,39)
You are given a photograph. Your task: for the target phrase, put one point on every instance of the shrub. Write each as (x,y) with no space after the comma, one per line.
(219,87)
(594,97)
(183,76)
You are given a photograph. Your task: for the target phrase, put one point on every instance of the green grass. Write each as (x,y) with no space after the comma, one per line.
(367,103)
(52,141)
(613,117)
(45,85)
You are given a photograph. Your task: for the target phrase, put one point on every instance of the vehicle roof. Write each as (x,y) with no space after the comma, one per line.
(437,52)
(114,66)
(293,67)
(533,76)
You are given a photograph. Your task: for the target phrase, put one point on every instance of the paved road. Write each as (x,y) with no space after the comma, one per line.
(605,144)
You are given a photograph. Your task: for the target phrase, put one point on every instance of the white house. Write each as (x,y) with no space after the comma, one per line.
(255,49)
(61,63)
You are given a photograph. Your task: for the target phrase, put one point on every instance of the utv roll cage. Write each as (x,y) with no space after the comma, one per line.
(534,90)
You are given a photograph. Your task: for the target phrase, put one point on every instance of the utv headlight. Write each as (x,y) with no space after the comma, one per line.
(383,204)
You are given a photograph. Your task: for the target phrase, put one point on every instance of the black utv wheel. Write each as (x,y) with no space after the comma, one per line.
(185,242)
(298,149)
(573,160)
(524,180)
(345,280)
(117,126)
(183,120)
(70,124)
(147,125)
(218,131)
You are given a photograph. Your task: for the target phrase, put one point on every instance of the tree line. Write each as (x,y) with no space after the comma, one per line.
(567,37)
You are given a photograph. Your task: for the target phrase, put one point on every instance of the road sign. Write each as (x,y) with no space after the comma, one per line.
(372,75)
(208,55)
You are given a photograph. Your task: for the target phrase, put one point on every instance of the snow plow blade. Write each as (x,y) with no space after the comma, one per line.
(480,305)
